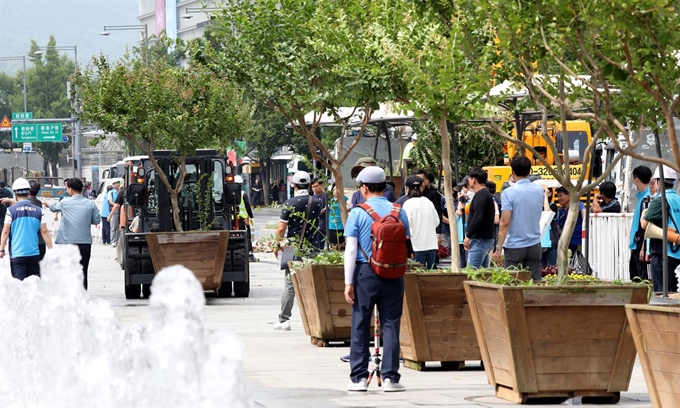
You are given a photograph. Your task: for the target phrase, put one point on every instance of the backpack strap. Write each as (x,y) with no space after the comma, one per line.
(396,208)
(370,211)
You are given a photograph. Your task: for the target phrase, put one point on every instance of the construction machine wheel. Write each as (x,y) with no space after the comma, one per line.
(241,289)
(225,290)
(133,291)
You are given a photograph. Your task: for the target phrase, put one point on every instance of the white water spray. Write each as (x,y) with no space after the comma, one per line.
(61,348)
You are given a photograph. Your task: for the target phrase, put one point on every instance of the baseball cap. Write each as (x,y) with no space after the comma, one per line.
(463,182)
(361,164)
(371,175)
(301,177)
(414,182)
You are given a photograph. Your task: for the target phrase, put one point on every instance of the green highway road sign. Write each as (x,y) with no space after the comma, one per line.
(38,132)
(22,115)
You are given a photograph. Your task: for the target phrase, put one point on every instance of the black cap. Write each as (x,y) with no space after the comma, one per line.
(414,182)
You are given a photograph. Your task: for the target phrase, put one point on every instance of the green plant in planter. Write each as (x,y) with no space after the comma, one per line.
(204,201)
(497,275)
(331,257)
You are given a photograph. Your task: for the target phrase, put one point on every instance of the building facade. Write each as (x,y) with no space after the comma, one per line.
(183,19)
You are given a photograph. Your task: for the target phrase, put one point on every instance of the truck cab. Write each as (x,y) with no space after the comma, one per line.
(209,200)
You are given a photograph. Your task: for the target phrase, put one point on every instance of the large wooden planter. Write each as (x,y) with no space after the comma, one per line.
(555,341)
(436,324)
(203,252)
(320,292)
(656,332)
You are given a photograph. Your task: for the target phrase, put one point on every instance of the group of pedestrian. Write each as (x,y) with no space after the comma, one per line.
(110,215)
(25,237)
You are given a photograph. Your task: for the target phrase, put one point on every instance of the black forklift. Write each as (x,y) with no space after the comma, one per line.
(148,208)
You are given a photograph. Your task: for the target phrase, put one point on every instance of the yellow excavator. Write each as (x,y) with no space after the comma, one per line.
(579,135)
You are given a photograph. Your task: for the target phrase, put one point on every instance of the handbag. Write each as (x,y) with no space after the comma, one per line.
(287,254)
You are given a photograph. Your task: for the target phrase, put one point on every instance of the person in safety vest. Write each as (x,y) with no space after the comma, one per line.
(245,213)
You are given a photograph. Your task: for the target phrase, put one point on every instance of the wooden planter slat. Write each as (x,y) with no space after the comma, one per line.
(326,316)
(564,341)
(656,332)
(436,323)
(202,252)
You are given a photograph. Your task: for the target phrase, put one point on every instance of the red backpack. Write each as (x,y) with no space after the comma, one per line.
(389,255)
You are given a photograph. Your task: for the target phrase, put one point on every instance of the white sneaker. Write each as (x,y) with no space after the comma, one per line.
(358,386)
(389,386)
(282,326)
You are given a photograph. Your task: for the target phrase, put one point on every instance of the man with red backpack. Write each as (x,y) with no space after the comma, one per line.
(376,237)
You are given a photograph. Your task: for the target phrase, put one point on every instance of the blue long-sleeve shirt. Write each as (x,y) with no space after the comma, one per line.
(77,214)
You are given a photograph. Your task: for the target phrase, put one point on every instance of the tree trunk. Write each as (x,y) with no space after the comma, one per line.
(567,231)
(266,169)
(448,195)
(339,186)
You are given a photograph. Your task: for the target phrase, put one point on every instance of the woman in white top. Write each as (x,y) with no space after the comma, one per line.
(423,220)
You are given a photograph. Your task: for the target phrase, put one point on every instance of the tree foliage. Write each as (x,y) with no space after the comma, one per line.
(297,57)
(475,147)
(161,107)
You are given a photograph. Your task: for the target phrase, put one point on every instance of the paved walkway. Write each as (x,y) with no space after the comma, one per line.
(285,370)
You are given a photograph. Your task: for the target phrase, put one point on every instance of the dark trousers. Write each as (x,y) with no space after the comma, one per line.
(549,256)
(106,231)
(388,294)
(525,258)
(657,273)
(249,238)
(85,252)
(427,258)
(24,266)
(463,256)
(636,267)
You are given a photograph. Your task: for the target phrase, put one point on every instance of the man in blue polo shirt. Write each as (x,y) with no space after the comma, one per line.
(23,221)
(519,232)
(364,289)
(637,266)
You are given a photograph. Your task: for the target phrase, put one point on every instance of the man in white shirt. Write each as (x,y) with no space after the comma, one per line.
(423,219)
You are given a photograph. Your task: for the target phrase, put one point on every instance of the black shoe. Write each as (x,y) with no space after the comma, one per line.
(252,258)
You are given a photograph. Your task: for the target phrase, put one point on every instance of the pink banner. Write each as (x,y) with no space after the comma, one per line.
(160,16)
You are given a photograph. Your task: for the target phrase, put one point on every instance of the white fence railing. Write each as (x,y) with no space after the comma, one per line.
(609,253)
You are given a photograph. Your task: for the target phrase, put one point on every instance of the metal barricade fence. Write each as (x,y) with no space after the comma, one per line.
(609,238)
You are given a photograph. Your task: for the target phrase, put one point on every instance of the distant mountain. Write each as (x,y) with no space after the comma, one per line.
(72,22)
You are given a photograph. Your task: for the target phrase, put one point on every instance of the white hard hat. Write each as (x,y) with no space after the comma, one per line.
(21,184)
(238,179)
(668,174)
(414,136)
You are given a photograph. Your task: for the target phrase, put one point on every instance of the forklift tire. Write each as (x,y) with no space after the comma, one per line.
(225,290)
(146,291)
(133,291)
(241,289)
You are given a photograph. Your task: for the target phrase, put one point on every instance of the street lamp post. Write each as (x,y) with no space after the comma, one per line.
(188,11)
(145,27)
(17,58)
(77,157)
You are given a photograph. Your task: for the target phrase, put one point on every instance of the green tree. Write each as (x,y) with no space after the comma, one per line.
(475,147)
(440,55)
(297,57)
(8,88)
(160,107)
(47,97)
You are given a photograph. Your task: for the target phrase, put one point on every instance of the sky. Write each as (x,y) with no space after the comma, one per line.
(72,22)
